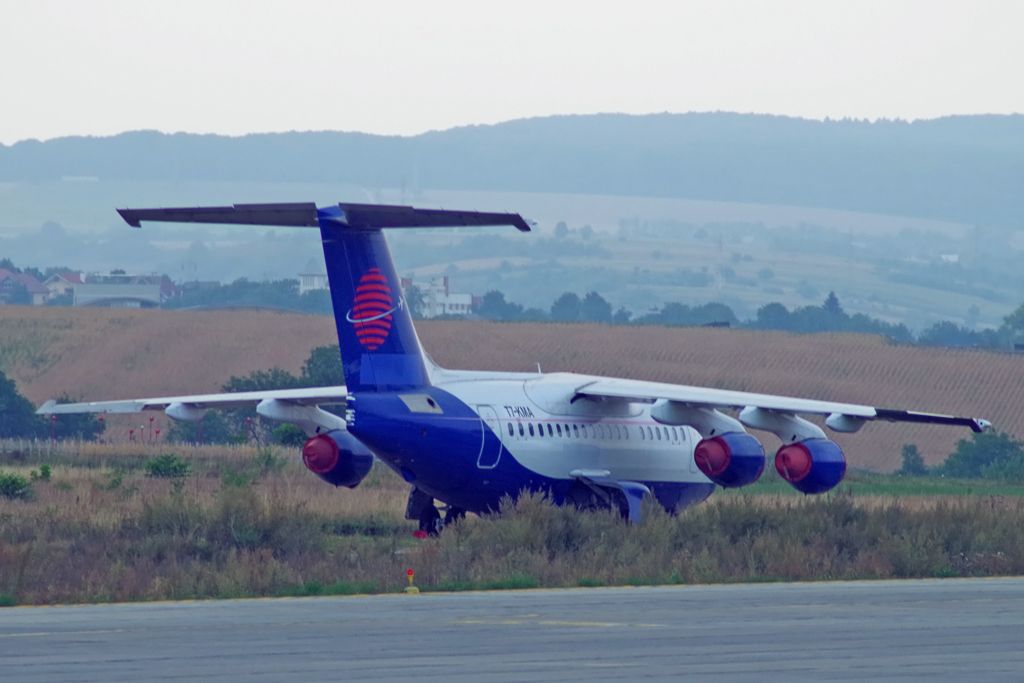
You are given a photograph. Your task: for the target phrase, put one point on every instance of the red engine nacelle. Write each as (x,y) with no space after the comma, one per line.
(731,460)
(338,458)
(812,465)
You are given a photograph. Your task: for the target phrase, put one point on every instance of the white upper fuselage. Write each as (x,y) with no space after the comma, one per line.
(545,430)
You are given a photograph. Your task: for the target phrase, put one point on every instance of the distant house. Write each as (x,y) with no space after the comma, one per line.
(438,299)
(313,277)
(15,285)
(62,284)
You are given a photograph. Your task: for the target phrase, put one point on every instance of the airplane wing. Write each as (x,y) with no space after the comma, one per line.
(839,414)
(302,397)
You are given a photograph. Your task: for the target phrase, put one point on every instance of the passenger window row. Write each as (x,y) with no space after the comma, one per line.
(596,430)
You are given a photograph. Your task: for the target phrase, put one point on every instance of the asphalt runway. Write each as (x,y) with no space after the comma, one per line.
(935,630)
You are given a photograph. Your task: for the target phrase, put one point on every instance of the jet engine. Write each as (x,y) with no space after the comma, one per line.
(338,458)
(812,465)
(731,460)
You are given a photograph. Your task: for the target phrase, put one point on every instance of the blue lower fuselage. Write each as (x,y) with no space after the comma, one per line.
(473,456)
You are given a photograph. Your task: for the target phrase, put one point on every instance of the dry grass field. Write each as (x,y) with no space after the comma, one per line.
(102,354)
(252,522)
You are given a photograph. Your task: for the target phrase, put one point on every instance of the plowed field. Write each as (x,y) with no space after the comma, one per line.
(101,354)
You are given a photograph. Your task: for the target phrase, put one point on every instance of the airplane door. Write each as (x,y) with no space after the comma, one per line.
(490,449)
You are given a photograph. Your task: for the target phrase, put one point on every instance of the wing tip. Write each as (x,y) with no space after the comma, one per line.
(46,408)
(130,217)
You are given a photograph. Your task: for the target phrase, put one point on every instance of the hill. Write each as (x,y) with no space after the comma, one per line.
(964,169)
(103,354)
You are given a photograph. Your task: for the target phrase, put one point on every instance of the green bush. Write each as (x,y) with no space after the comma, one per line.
(14,486)
(288,435)
(168,466)
(913,463)
(990,455)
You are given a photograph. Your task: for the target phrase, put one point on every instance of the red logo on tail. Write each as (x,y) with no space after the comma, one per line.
(372,310)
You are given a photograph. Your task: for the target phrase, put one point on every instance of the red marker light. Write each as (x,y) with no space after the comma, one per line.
(409,572)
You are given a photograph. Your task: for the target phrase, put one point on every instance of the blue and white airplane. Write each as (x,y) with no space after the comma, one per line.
(467,439)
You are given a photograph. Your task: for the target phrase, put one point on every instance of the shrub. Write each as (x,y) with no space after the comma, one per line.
(990,455)
(913,463)
(288,435)
(168,466)
(14,486)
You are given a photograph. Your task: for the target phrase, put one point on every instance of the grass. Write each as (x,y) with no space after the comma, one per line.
(102,530)
(862,484)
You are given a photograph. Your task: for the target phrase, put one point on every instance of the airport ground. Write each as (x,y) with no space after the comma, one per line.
(246,522)
(935,630)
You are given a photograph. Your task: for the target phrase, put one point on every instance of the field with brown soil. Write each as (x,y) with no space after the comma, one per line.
(103,354)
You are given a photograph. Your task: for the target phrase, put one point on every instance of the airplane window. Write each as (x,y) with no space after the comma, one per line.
(531,429)
(551,432)
(566,430)
(642,434)
(540,430)
(521,430)
(576,431)
(626,429)
(650,434)
(675,434)
(559,428)
(510,428)
(665,429)
(657,433)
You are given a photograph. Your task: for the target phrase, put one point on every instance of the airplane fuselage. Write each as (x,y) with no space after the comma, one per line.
(471,439)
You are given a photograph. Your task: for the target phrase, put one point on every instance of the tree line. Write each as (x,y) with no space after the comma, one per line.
(829,316)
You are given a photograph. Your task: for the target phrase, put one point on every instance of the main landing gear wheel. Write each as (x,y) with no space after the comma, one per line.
(430,520)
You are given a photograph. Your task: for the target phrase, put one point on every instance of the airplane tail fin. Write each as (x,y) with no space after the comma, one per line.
(379,347)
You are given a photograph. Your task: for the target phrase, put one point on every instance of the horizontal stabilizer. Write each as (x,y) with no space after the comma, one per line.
(301,215)
(306,215)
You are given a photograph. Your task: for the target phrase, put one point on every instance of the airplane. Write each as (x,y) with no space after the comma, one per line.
(468,439)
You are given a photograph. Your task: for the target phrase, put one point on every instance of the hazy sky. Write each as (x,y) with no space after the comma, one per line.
(92,67)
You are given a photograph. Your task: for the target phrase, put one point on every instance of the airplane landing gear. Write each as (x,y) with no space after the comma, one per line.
(421,507)
(430,520)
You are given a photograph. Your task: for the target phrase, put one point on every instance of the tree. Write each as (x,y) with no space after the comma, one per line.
(415,301)
(913,463)
(594,308)
(323,367)
(19,295)
(832,305)
(1015,321)
(17,415)
(988,455)
(263,380)
(566,308)
(85,426)
(621,316)
(213,427)
(494,307)
(773,316)
(561,230)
